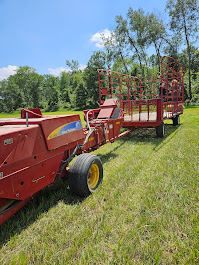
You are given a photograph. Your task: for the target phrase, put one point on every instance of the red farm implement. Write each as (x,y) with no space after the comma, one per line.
(146,101)
(36,150)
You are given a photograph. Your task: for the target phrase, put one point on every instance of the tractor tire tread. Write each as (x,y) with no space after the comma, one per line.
(78,174)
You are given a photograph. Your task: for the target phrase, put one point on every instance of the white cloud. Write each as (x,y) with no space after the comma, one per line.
(97,37)
(57,71)
(5,72)
(82,67)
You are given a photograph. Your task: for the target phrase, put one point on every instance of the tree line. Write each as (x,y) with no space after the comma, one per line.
(126,50)
(73,89)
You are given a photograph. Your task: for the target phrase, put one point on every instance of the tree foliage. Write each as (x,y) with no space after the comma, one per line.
(184,16)
(97,61)
(127,50)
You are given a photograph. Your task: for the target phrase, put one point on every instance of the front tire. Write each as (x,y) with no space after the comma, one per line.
(176,120)
(160,130)
(85,174)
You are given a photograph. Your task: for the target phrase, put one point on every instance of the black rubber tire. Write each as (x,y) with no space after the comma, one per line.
(79,174)
(160,130)
(176,120)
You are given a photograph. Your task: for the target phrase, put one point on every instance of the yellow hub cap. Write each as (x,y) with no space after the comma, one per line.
(93,176)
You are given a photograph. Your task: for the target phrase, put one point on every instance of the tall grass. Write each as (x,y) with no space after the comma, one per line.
(145,212)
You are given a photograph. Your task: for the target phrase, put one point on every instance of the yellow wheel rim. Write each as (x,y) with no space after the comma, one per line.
(93,176)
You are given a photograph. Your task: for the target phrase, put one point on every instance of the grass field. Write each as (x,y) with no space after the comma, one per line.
(60,112)
(145,212)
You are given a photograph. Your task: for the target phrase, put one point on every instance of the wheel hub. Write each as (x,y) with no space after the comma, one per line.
(93,176)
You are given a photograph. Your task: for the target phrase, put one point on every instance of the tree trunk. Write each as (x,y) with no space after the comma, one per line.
(158,55)
(189,56)
(147,69)
(190,93)
(126,69)
(137,53)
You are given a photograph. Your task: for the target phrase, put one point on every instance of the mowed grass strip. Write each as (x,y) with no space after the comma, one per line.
(145,211)
(17,113)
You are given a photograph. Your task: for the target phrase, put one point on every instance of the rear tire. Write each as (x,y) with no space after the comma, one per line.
(85,174)
(176,120)
(160,130)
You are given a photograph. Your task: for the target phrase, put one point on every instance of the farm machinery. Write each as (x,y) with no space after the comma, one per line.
(36,150)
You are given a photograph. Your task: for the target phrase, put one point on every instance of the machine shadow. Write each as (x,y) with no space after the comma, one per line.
(46,199)
(145,135)
(51,196)
(108,156)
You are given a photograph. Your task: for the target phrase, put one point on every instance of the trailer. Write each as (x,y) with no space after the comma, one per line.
(37,150)
(146,101)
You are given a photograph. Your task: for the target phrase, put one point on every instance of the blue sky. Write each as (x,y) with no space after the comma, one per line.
(43,34)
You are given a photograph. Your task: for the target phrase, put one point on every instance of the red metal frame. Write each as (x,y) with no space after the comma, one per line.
(36,150)
(142,102)
(172,69)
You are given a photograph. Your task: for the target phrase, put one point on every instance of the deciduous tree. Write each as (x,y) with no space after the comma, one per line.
(184,16)
(97,61)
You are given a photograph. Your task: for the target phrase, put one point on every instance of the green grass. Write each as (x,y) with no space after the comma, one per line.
(145,212)
(10,115)
(17,113)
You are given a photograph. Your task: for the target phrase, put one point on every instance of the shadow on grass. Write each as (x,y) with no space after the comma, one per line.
(173,131)
(144,135)
(48,197)
(105,158)
(149,135)
(51,196)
